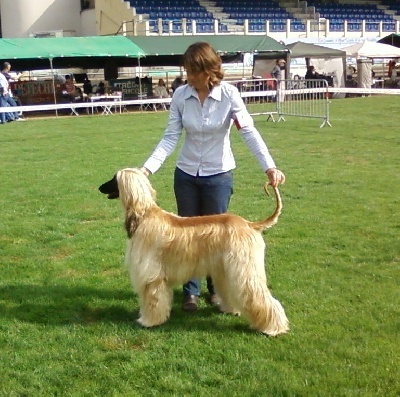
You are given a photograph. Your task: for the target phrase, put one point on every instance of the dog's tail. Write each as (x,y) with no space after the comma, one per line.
(273,219)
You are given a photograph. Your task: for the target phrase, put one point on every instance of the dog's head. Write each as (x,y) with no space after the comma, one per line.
(110,188)
(132,186)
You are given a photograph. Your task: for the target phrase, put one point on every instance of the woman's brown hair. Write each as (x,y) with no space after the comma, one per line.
(201,57)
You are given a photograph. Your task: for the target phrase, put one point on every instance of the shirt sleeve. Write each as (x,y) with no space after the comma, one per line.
(245,124)
(170,139)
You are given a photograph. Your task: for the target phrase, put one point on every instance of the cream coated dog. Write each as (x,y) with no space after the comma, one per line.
(165,250)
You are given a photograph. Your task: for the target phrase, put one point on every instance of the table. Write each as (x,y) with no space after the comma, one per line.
(106,102)
(378,82)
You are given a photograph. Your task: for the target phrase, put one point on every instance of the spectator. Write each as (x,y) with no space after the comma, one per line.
(350,71)
(70,91)
(101,88)
(392,73)
(6,71)
(6,93)
(206,108)
(312,73)
(177,83)
(278,70)
(160,90)
(87,86)
(3,104)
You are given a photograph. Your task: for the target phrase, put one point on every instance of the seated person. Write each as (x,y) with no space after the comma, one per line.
(87,86)
(70,92)
(350,71)
(312,73)
(161,90)
(101,88)
(177,83)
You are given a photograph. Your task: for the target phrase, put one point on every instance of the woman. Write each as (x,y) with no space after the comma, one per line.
(205,108)
(160,90)
(277,71)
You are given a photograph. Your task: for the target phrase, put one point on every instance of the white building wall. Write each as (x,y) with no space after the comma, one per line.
(21,18)
(88,21)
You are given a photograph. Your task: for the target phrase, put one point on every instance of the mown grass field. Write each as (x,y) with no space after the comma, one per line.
(67,313)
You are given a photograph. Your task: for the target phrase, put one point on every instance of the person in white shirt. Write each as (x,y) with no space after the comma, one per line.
(5,88)
(160,90)
(206,107)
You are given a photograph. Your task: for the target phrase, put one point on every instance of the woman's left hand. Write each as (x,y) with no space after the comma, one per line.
(275,177)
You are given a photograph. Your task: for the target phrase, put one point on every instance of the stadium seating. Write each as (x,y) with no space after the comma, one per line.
(257,13)
(353,13)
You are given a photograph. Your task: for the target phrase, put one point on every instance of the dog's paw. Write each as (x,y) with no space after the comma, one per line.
(148,324)
(228,310)
(143,322)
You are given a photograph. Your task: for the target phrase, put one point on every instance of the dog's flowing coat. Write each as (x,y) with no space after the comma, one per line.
(165,250)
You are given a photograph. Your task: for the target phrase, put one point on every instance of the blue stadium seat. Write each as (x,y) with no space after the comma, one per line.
(372,27)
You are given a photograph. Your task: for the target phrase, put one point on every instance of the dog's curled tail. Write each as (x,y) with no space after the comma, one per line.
(273,219)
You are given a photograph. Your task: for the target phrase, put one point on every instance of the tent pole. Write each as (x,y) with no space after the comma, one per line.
(54,85)
(140,81)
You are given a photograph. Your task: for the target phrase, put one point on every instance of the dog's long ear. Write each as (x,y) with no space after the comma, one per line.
(110,188)
(135,190)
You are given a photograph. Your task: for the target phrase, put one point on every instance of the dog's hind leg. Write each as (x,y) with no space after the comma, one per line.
(223,291)
(264,312)
(155,300)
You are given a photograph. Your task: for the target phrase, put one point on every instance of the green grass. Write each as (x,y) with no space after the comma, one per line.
(66,308)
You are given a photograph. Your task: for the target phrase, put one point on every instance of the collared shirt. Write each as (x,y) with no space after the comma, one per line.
(207,148)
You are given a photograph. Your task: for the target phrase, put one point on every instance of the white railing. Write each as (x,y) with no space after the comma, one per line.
(304,98)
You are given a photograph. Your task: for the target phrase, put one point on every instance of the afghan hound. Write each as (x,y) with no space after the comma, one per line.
(165,250)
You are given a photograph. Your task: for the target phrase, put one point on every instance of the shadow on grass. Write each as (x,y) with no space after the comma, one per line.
(64,305)
(61,304)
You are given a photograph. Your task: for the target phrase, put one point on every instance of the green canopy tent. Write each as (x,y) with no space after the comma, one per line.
(392,39)
(168,50)
(65,52)
(68,52)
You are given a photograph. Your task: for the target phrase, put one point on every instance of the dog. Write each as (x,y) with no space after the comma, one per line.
(165,250)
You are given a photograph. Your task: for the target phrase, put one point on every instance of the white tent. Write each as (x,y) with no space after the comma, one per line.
(365,52)
(370,49)
(326,60)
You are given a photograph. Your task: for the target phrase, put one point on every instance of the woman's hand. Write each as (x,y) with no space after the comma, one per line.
(275,177)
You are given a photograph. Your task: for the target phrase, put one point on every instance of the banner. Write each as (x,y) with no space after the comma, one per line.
(36,92)
(131,88)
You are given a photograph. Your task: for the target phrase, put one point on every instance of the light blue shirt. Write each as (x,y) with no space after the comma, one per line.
(207,148)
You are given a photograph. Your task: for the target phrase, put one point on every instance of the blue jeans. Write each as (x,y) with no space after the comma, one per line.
(10,100)
(201,195)
(3,104)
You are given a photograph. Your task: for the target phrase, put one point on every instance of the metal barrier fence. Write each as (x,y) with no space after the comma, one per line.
(304,98)
(299,98)
(259,91)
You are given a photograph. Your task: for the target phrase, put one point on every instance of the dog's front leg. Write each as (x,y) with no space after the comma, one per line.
(155,300)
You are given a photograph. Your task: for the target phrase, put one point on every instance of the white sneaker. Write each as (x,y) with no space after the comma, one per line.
(19,119)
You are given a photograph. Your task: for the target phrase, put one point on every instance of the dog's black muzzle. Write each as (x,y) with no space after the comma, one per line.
(110,188)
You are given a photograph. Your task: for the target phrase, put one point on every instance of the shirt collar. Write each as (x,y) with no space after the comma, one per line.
(216,92)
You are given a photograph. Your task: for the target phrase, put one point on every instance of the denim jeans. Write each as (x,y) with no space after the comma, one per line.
(3,104)
(201,195)
(10,100)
